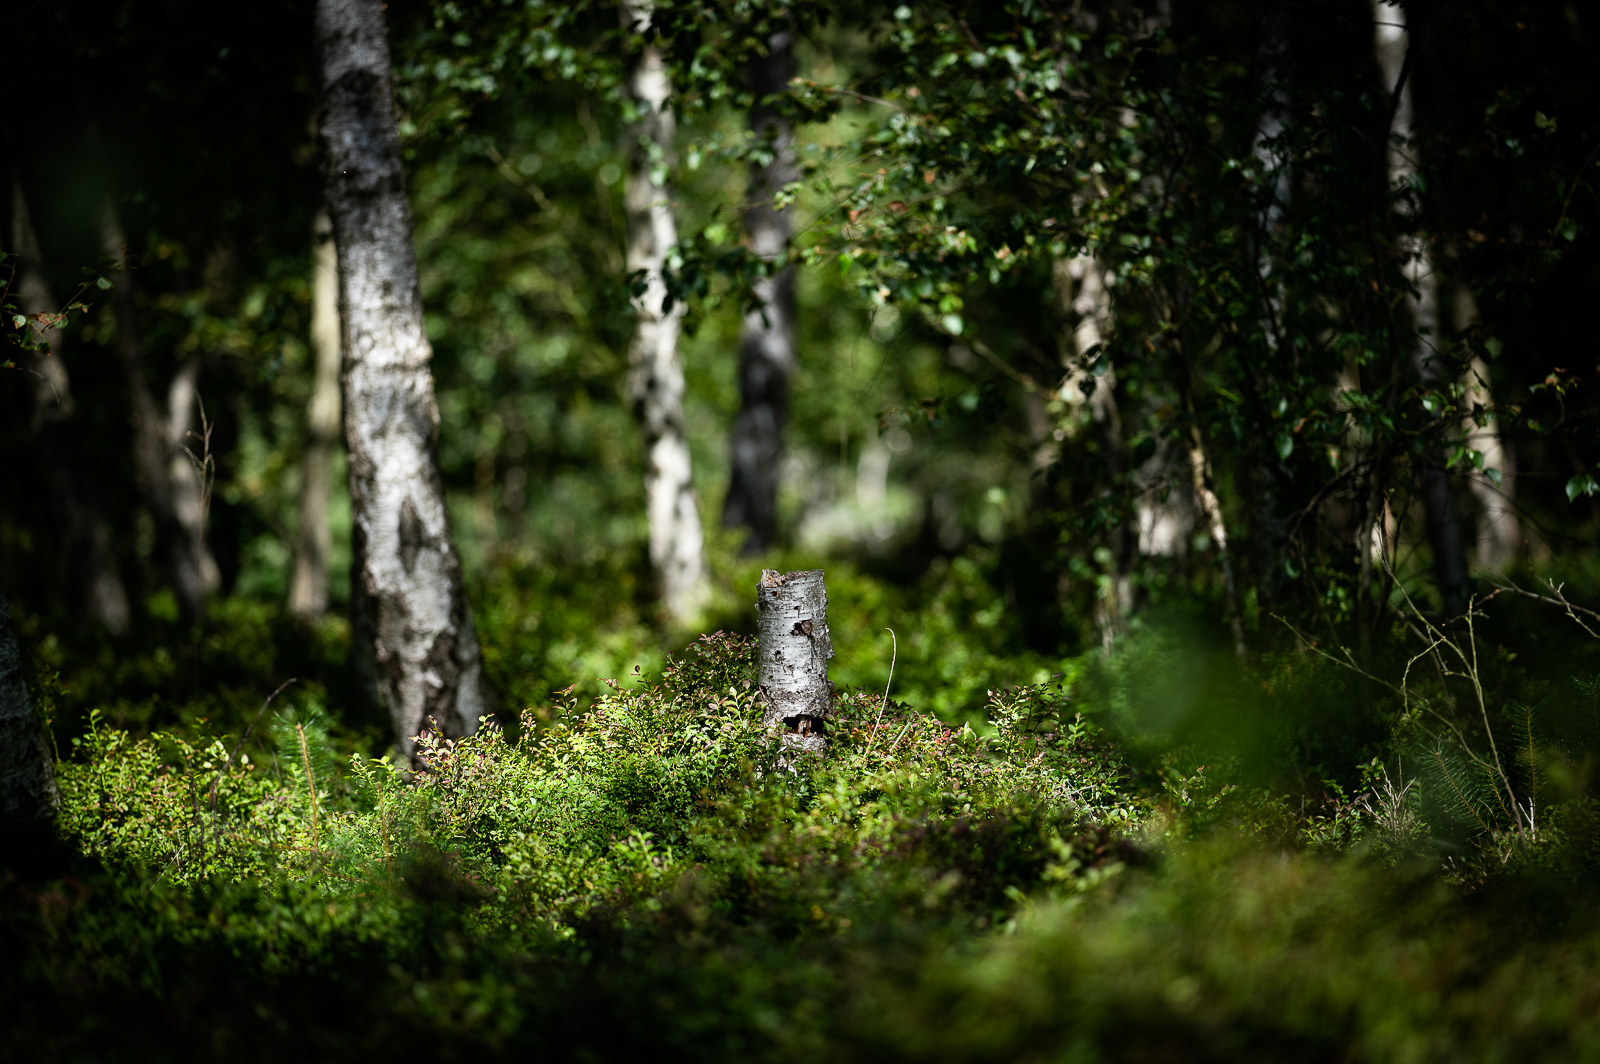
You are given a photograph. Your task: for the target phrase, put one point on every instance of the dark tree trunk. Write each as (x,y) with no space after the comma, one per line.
(767,356)
(27,771)
(83,535)
(169,483)
(792,624)
(407,576)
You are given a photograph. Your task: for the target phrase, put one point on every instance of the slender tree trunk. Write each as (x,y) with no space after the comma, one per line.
(1265,472)
(655,375)
(308,589)
(1080,290)
(410,602)
(1443,520)
(767,357)
(170,484)
(1499,531)
(1499,537)
(85,539)
(1200,467)
(27,771)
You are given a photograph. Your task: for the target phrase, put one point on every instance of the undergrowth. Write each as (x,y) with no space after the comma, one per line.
(649,872)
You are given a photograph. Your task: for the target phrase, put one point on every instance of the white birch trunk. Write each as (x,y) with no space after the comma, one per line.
(308,588)
(655,374)
(1444,524)
(27,771)
(767,357)
(410,601)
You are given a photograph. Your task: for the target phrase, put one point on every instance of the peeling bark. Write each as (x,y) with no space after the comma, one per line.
(655,373)
(795,646)
(27,771)
(85,537)
(768,356)
(411,607)
(308,588)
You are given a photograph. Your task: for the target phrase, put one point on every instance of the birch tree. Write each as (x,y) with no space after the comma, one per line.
(768,357)
(655,373)
(408,591)
(1422,298)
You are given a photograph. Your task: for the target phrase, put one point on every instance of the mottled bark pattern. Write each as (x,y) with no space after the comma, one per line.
(655,374)
(767,355)
(308,588)
(27,771)
(792,625)
(410,601)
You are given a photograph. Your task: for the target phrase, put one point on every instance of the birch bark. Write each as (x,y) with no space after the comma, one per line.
(795,645)
(308,588)
(655,374)
(1443,522)
(410,601)
(767,358)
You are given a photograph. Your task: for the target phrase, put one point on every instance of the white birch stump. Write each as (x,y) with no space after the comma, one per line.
(795,648)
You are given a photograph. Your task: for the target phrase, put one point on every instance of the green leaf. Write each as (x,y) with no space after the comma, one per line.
(952,324)
(19,320)
(102,283)
(1285,445)
(1492,475)
(1583,484)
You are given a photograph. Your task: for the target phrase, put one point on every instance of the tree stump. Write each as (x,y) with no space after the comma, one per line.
(795,647)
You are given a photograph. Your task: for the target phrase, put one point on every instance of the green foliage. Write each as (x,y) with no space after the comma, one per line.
(651,871)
